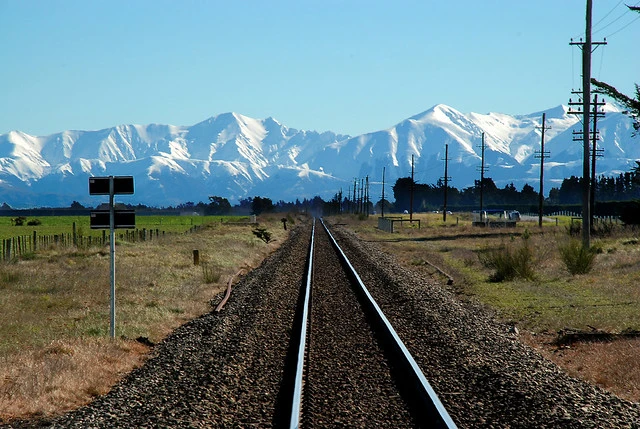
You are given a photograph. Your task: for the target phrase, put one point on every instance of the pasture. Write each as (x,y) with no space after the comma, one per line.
(52,225)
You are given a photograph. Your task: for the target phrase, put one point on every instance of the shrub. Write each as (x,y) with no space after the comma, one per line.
(262,234)
(630,213)
(18,221)
(577,258)
(210,272)
(574,229)
(509,263)
(34,222)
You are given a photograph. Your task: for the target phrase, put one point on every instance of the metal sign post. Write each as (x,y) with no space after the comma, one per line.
(112,257)
(110,186)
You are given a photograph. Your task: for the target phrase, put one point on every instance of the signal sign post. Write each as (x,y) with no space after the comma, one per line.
(112,219)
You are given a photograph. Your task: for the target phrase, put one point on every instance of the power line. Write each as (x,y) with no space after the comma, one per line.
(607,14)
(612,22)
(616,32)
(600,29)
(601,62)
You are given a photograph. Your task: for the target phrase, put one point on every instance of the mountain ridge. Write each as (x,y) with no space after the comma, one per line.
(236,156)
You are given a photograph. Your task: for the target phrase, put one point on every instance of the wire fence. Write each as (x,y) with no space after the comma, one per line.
(16,247)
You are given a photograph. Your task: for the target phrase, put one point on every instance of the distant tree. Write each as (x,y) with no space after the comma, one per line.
(528,195)
(554,196)
(509,195)
(402,192)
(388,207)
(76,205)
(218,206)
(333,206)
(490,193)
(261,205)
(570,191)
(243,206)
(630,213)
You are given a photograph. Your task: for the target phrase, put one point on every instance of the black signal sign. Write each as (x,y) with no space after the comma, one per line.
(123,219)
(121,185)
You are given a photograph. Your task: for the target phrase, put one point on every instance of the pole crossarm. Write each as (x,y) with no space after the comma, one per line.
(594,45)
(539,155)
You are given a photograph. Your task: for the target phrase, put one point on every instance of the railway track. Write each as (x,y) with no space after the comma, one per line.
(352,369)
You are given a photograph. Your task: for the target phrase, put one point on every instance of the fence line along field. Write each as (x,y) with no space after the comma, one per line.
(51,225)
(23,235)
(55,350)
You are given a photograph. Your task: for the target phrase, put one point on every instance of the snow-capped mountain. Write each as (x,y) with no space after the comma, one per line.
(235,156)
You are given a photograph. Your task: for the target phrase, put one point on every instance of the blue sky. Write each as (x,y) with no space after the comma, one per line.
(347,66)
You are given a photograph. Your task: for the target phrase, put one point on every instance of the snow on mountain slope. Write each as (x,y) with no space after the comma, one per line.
(236,156)
(20,156)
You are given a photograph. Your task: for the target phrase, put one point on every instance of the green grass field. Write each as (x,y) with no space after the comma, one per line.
(52,225)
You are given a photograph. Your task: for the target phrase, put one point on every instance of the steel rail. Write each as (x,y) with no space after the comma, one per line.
(296,403)
(425,399)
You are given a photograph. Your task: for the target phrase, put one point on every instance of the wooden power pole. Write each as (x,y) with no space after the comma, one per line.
(595,152)
(411,194)
(482,170)
(446,181)
(586,47)
(586,107)
(542,155)
(382,205)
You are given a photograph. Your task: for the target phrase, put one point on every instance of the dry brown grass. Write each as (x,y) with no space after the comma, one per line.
(55,353)
(610,365)
(63,374)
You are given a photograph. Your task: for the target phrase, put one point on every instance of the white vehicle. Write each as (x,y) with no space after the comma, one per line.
(514,215)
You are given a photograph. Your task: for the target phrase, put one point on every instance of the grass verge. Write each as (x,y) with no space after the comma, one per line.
(486,265)
(55,353)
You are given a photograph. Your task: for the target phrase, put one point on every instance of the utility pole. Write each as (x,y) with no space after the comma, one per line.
(586,107)
(361,195)
(542,155)
(382,205)
(482,170)
(586,47)
(595,152)
(355,202)
(411,194)
(446,181)
(366,196)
